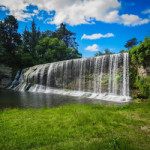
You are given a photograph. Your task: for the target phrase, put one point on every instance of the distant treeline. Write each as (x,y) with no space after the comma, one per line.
(34,47)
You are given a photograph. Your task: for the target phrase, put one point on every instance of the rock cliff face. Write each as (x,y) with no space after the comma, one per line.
(5,76)
(143,71)
(148,70)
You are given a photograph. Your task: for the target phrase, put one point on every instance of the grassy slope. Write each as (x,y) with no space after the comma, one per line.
(77,127)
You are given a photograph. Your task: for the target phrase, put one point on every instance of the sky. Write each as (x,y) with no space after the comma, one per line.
(98,24)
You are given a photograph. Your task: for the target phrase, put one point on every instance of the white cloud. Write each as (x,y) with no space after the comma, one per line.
(133,20)
(146,11)
(93,48)
(21,15)
(74,12)
(97,36)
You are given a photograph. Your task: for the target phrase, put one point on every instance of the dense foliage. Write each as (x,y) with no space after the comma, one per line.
(52,49)
(140,57)
(33,46)
(144,85)
(141,54)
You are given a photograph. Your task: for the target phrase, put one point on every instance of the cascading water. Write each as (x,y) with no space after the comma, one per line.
(103,77)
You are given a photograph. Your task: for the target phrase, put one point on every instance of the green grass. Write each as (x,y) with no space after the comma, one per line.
(76,127)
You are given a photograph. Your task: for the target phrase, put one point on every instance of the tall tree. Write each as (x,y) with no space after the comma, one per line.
(1,50)
(131,43)
(9,36)
(26,40)
(31,38)
(35,36)
(62,33)
(46,33)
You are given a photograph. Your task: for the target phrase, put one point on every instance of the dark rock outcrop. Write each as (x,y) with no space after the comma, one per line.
(5,76)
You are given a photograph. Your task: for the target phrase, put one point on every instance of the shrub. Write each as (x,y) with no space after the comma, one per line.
(144,85)
(141,53)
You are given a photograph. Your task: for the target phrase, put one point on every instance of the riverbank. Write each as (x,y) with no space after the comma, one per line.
(77,127)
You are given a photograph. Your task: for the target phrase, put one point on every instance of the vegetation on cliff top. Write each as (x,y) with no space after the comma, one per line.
(140,57)
(140,54)
(33,46)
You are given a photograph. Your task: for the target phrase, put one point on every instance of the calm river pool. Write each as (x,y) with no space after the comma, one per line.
(14,99)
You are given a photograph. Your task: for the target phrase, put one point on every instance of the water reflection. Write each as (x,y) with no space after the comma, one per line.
(11,99)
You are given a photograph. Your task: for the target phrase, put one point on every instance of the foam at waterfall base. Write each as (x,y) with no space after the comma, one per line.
(104,96)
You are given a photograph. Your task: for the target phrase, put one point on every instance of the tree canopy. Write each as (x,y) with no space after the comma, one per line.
(33,46)
(10,39)
(141,53)
(62,33)
(52,49)
(131,43)
(106,52)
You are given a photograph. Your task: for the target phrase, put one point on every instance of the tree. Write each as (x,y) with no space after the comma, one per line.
(106,52)
(35,36)
(26,40)
(9,36)
(62,33)
(99,54)
(141,53)
(1,51)
(73,53)
(30,39)
(1,47)
(52,49)
(46,33)
(35,47)
(131,43)
(123,51)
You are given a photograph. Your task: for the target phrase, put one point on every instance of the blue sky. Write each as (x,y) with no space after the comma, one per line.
(98,24)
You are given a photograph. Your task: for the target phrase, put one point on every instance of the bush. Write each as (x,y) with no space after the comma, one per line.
(140,54)
(140,57)
(144,85)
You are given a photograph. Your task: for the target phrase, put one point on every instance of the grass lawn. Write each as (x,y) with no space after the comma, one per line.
(76,127)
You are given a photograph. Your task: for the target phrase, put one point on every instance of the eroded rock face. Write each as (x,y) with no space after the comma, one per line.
(148,70)
(5,76)
(143,71)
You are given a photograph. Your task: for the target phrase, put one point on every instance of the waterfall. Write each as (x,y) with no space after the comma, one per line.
(15,80)
(90,83)
(115,67)
(49,74)
(102,77)
(95,74)
(81,74)
(110,74)
(125,75)
(101,74)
